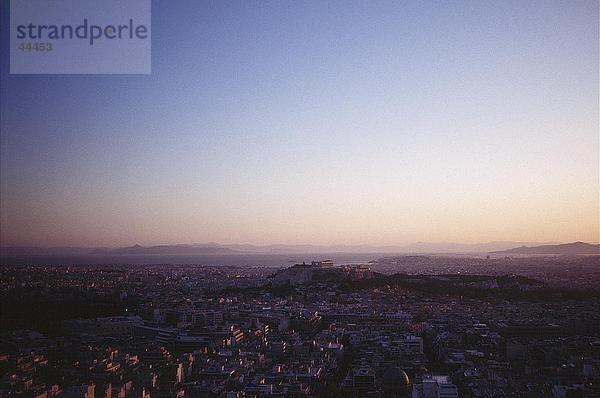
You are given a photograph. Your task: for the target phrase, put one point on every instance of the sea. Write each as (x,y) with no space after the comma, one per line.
(244,260)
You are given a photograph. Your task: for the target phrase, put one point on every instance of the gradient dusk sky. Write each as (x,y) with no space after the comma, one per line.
(316,122)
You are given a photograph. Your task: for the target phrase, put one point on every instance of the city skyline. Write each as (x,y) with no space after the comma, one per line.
(312,123)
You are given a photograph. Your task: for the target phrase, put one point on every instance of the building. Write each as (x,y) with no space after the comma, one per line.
(435,387)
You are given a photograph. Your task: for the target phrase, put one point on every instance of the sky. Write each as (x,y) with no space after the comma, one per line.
(315,122)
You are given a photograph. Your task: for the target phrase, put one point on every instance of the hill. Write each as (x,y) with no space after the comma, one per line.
(570,249)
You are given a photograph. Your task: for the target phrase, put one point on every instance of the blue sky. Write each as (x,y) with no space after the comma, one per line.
(316,122)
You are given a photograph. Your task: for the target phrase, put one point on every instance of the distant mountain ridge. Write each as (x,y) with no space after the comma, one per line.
(415,248)
(216,248)
(576,248)
(443,247)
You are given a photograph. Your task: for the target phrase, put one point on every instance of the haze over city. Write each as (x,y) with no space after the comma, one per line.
(310,123)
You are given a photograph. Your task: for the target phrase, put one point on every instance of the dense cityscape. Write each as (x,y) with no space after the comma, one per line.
(405,326)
